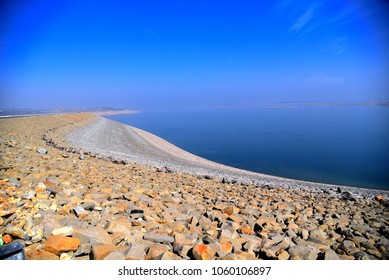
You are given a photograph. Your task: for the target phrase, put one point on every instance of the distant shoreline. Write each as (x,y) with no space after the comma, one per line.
(99,113)
(114,112)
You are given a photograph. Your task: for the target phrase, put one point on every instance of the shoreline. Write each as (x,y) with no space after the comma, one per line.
(118,141)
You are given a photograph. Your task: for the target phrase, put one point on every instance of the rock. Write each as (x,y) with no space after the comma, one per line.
(281,246)
(202,252)
(88,205)
(37,254)
(231,209)
(83,249)
(363,256)
(99,252)
(7,238)
(252,245)
(284,255)
(245,256)
(374,252)
(95,235)
(225,248)
(304,234)
(158,238)
(320,235)
(37,238)
(156,251)
(379,197)
(349,247)
(80,212)
(60,244)
(15,231)
(235,218)
(303,252)
(65,231)
(330,254)
(42,151)
(269,253)
(114,256)
(81,157)
(169,256)
(137,251)
(66,256)
(120,225)
(347,196)
(247,230)
(28,194)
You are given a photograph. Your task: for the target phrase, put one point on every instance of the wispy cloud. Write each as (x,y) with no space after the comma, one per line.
(304,19)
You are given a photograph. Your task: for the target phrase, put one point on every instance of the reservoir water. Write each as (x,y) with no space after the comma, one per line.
(337,145)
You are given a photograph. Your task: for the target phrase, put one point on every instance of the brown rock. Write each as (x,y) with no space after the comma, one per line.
(231,209)
(202,252)
(169,256)
(226,247)
(59,244)
(247,230)
(137,251)
(99,252)
(246,256)
(284,255)
(7,238)
(156,251)
(235,218)
(40,255)
(120,225)
(379,197)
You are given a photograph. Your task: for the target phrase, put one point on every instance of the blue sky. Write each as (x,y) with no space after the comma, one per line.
(147,54)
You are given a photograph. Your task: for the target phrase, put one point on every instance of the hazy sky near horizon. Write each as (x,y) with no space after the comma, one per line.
(146,54)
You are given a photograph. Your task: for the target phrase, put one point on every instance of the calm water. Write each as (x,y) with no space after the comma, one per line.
(339,145)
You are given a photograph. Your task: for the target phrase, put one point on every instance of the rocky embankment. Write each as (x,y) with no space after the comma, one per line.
(64,203)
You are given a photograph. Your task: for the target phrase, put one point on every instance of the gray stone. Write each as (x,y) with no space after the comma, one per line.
(28,194)
(42,151)
(319,235)
(83,249)
(79,210)
(291,233)
(114,256)
(304,234)
(330,254)
(88,205)
(363,256)
(303,252)
(349,247)
(158,238)
(137,251)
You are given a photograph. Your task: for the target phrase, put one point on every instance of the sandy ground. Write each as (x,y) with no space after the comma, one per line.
(122,142)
